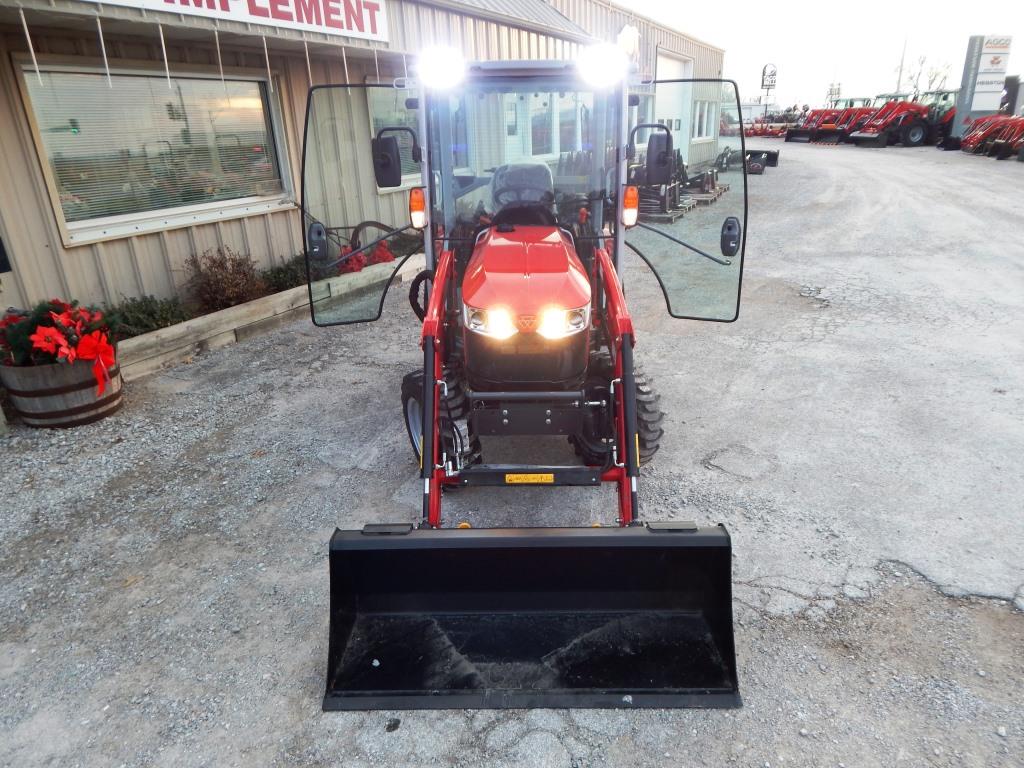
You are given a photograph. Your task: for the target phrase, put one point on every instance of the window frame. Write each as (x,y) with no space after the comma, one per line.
(122,226)
(409,180)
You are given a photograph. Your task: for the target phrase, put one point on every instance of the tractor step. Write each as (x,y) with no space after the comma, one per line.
(528,474)
(533,617)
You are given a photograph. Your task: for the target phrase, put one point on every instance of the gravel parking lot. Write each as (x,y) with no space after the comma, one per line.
(163,583)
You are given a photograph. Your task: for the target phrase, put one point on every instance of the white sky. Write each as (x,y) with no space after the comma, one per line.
(853,42)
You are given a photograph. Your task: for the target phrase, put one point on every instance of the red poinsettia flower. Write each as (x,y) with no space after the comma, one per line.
(64,318)
(51,340)
(381,253)
(351,263)
(94,346)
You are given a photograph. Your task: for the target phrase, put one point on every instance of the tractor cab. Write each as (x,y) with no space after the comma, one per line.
(941,105)
(514,196)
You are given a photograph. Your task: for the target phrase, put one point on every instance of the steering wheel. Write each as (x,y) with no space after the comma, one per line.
(501,193)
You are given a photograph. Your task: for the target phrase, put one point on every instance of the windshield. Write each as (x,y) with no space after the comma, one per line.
(882,99)
(937,98)
(505,144)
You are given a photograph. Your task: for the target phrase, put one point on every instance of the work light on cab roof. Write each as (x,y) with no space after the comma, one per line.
(440,68)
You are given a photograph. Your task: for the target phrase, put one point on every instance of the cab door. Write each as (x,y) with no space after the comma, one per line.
(356,235)
(691,229)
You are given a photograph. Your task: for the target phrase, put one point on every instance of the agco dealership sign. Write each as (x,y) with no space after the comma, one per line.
(365,19)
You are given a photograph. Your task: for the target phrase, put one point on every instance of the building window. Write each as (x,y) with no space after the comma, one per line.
(704,116)
(387,109)
(138,145)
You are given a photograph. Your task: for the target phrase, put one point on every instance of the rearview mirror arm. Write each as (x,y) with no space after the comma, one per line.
(417,153)
(723,262)
(631,146)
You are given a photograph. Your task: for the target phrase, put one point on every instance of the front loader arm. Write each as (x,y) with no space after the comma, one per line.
(432,341)
(626,467)
(433,319)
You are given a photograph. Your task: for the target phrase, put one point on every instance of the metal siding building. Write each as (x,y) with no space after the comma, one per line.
(49,257)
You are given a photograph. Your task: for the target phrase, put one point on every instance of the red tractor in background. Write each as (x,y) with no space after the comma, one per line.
(762,127)
(927,120)
(997,136)
(829,129)
(819,120)
(805,130)
(981,129)
(1010,140)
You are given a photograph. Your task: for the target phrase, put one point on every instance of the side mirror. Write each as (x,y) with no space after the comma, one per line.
(387,157)
(731,237)
(659,159)
(387,161)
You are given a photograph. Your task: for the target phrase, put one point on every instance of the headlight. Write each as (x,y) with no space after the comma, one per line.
(558,323)
(496,323)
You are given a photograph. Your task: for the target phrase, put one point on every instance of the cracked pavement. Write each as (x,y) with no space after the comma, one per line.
(163,584)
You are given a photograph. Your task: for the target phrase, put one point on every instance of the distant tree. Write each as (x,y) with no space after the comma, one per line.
(934,76)
(937,77)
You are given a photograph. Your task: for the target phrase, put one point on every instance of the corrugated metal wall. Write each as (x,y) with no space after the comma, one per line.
(154,263)
(605,21)
(143,264)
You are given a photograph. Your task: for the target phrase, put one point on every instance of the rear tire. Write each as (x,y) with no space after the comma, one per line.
(914,134)
(594,443)
(455,436)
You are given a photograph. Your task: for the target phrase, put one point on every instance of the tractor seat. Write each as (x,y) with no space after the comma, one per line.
(523,193)
(522,183)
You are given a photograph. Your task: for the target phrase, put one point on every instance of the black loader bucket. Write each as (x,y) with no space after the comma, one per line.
(828,136)
(531,617)
(801,134)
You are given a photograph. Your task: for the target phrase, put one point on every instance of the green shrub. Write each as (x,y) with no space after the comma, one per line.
(136,316)
(222,278)
(288,275)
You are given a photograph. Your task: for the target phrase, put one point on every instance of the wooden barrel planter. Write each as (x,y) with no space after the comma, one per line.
(60,395)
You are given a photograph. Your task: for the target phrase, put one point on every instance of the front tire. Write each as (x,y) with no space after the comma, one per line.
(914,134)
(594,443)
(455,438)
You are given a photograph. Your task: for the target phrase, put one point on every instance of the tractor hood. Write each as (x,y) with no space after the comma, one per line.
(525,270)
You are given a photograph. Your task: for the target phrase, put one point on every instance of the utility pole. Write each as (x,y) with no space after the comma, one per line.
(899,79)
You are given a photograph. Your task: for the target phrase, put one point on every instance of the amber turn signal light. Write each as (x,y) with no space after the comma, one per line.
(630,206)
(417,208)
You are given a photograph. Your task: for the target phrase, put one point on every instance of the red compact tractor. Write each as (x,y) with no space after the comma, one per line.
(926,120)
(517,179)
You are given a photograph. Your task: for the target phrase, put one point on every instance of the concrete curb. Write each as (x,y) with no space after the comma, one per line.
(142,355)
